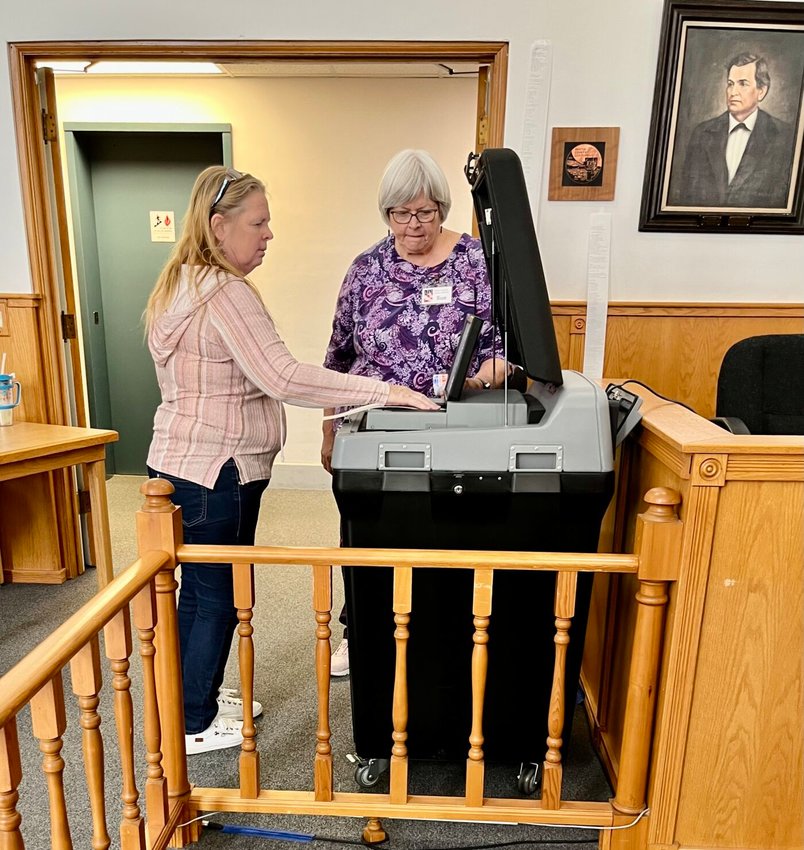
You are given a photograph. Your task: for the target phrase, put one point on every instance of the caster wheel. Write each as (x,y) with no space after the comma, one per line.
(364,776)
(528,779)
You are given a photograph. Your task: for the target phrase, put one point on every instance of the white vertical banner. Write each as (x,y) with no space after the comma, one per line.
(597,293)
(534,126)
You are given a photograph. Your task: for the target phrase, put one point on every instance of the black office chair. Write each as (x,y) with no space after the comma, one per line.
(760,389)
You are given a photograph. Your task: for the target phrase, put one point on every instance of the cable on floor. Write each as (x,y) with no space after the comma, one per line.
(307,837)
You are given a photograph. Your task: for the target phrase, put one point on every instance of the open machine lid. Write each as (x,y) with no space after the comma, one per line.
(521,301)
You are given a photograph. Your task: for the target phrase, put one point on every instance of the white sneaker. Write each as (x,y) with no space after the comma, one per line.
(339,663)
(231,705)
(223,732)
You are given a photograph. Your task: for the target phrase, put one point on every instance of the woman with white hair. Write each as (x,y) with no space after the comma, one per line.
(402,304)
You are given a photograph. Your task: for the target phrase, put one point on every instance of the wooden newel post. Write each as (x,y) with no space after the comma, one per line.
(658,544)
(159,528)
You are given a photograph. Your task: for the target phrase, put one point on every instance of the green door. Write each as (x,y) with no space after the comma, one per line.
(118,178)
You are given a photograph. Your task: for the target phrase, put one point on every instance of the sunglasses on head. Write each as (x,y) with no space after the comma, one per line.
(229,177)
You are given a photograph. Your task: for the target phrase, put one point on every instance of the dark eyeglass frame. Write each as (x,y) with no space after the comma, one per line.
(229,177)
(394,214)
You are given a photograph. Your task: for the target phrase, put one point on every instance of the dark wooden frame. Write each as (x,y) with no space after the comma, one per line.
(678,18)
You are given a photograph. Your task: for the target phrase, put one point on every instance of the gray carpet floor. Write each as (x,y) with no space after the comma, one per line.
(285,683)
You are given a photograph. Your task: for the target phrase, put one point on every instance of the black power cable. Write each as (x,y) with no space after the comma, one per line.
(309,838)
(658,395)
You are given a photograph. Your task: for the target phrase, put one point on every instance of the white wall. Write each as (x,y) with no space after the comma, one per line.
(603,72)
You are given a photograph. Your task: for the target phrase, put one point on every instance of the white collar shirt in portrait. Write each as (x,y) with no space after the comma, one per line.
(739,133)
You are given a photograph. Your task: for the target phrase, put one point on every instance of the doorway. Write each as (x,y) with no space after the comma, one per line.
(121,179)
(492,56)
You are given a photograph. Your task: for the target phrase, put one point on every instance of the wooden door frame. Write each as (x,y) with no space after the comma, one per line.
(31,150)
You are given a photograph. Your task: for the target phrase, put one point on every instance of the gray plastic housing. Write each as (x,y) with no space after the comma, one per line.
(574,434)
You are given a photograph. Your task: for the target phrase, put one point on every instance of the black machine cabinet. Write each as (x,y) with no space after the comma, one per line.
(521,651)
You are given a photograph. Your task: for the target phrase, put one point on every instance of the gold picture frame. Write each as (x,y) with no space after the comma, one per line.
(583,163)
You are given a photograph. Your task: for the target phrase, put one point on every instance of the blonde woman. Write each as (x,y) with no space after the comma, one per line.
(223,373)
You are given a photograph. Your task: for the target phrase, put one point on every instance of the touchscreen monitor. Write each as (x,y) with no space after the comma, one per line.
(463,357)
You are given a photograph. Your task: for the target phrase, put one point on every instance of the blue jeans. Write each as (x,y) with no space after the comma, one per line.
(225,515)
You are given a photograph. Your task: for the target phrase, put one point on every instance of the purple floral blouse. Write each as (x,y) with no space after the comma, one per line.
(383,330)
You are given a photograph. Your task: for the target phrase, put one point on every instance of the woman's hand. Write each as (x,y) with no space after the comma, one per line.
(326,447)
(406,397)
(490,376)
(476,384)
(328,440)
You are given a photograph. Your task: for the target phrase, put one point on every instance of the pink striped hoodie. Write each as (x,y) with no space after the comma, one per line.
(224,372)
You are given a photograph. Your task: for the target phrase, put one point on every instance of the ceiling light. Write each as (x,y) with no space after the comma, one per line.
(113,67)
(64,66)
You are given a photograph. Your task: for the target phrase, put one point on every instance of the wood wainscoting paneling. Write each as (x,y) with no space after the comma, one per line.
(23,354)
(676,349)
(55,551)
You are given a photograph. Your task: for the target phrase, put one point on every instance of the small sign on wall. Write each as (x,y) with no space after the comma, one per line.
(163,226)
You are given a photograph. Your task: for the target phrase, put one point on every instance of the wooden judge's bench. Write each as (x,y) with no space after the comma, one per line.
(727,749)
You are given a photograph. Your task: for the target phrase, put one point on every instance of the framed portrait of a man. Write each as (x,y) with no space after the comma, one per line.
(725,149)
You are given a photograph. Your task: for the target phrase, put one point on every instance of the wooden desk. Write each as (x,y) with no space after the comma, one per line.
(36,545)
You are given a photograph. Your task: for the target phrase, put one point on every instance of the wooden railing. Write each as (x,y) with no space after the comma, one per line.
(37,680)
(170,802)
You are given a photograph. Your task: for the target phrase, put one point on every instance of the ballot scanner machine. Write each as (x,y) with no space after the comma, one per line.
(494,470)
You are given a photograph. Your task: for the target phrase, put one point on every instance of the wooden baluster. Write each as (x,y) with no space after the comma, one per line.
(322,605)
(244,602)
(566,585)
(99,520)
(117,635)
(159,528)
(481,608)
(10,778)
(658,544)
(403,586)
(85,672)
(156,802)
(49,722)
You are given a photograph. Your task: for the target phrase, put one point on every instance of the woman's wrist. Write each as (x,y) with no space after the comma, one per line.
(478,383)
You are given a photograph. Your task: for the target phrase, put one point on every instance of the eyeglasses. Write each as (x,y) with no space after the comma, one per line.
(404,216)
(228,178)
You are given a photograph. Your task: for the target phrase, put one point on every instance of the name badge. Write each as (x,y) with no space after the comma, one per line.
(436,295)
(440,384)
